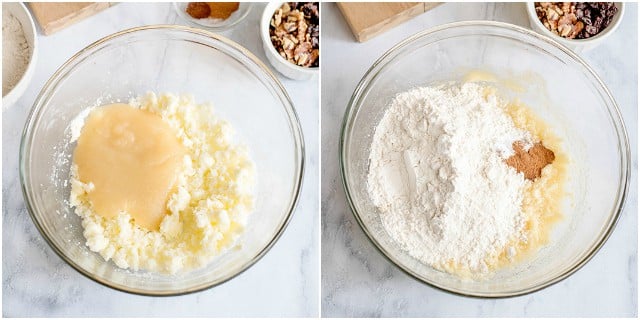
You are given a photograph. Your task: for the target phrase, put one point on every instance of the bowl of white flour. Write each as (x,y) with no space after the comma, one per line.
(426,144)
(19,51)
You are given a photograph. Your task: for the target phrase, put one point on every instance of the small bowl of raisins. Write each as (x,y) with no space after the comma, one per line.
(578,25)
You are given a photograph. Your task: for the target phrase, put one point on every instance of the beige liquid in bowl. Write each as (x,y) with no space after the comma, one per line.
(160,183)
(132,158)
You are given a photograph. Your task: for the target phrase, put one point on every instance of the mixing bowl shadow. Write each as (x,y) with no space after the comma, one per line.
(163,59)
(558,86)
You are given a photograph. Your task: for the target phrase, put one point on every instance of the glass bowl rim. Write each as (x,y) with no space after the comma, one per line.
(285,101)
(614,113)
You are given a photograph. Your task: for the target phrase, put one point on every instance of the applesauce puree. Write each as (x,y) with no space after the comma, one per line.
(131,157)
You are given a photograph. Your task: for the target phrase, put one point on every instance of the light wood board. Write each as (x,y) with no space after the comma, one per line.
(55,16)
(369,19)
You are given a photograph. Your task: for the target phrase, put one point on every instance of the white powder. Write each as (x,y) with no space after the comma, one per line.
(437,175)
(15,51)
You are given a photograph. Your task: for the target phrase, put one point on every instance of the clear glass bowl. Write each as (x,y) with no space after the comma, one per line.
(560,87)
(164,59)
(215,25)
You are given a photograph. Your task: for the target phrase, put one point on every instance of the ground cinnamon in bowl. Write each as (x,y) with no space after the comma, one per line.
(215,10)
(530,162)
(222,10)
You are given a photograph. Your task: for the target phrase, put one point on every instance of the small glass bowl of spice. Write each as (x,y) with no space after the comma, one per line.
(577,25)
(213,16)
(290,34)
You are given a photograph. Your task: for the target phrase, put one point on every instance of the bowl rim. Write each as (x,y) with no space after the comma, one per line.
(289,109)
(616,116)
(615,22)
(14,95)
(265,22)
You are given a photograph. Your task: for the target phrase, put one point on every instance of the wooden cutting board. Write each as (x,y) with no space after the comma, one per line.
(369,19)
(55,16)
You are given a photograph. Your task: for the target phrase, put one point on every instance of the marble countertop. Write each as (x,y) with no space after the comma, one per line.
(358,281)
(37,283)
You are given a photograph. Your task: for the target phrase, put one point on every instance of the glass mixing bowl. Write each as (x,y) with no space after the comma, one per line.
(558,86)
(164,59)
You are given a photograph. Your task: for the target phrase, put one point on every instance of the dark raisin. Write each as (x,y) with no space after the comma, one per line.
(598,22)
(314,30)
(596,16)
(310,10)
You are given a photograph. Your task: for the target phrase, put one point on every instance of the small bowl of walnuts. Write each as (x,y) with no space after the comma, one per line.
(578,25)
(290,33)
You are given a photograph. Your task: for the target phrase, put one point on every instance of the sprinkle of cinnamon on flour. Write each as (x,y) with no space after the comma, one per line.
(530,162)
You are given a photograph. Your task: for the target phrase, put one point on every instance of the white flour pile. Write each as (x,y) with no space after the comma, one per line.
(15,51)
(438,176)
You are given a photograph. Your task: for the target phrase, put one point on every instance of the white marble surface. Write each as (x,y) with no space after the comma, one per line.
(358,281)
(37,283)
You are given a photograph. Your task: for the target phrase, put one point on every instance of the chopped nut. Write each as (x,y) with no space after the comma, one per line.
(315,54)
(558,11)
(280,31)
(277,18)
(302,58)
(302,30)
(285,8)
(564,30)
(287,44)
(290,26)
(302,53)
(294,32)
(552,14)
